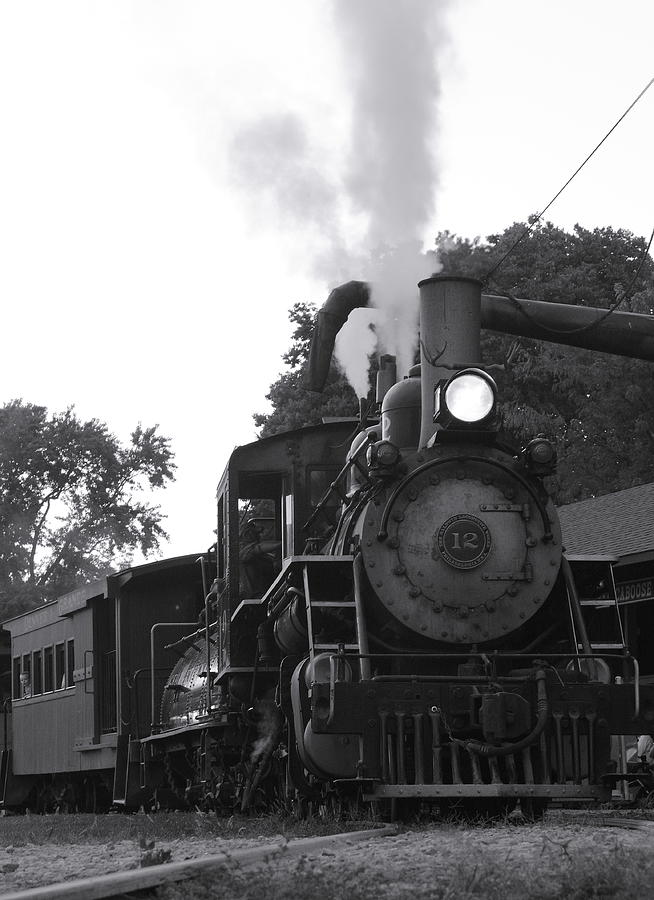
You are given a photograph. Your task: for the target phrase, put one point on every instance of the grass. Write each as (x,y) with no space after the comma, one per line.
(569,856)
(555,870)
(18,831)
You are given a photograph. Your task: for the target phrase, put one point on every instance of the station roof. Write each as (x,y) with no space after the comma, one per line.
(621,523)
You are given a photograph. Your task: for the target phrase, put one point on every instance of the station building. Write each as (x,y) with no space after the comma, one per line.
(620,528)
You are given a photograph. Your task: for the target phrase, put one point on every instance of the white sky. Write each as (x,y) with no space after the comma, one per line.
(139,283)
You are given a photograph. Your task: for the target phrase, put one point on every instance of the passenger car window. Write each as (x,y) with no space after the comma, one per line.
(16,692)
(70,664)
(60,667)
(26,677)
(37,672)
(48,670)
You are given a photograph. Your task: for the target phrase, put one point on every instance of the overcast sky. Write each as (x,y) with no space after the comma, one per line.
(146,268)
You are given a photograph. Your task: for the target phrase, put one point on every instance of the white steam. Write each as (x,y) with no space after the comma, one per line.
(368,219)
(356,340)
(389,49)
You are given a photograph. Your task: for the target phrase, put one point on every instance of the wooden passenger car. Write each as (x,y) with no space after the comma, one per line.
(81,672)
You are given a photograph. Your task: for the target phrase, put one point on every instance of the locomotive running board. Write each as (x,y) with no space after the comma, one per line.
(546,791)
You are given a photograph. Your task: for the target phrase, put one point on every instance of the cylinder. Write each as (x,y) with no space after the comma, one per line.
(450,326)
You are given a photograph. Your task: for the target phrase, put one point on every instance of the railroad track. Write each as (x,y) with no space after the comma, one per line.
(122,883)
(631,824)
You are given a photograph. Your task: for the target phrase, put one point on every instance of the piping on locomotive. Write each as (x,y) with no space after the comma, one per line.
(392,617)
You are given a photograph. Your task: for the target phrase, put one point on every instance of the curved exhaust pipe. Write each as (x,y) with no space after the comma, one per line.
(621,333)
(329,321)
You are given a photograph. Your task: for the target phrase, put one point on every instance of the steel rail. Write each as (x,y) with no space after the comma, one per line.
(631,824)
(120,883)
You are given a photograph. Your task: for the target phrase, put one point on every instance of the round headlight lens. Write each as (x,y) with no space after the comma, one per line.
(470,397)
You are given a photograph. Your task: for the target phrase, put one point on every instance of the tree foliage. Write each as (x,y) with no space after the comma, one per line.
(293,405)
(597,407)
(71,500)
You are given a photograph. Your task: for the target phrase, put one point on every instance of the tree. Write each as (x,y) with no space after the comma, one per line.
(598,408)
(293,405)
(71,501)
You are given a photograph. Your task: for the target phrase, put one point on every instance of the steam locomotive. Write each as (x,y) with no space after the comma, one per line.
(387,616)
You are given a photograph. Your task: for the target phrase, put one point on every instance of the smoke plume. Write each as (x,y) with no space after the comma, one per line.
(389,49)
(368,218)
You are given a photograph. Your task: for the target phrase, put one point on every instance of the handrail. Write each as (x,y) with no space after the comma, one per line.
(335,486)
(382,534)
(134,686)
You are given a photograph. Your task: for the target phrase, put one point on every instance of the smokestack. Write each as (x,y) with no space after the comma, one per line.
(450,328)
(386,376)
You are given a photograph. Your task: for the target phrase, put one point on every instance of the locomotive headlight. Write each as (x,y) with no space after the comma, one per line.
(468,397)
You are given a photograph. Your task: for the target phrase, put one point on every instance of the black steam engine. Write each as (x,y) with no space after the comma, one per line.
(387,618)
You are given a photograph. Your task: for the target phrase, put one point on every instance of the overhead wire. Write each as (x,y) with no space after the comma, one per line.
(539,215)
(584,328)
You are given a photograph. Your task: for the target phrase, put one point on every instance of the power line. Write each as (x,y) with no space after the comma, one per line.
(574,174)
(585,328)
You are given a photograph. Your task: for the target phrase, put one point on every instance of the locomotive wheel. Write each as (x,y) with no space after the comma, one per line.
(179,775)
(533,810)
(95,797)
(479,811)
(334,808)
(337,807)
(405,810)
